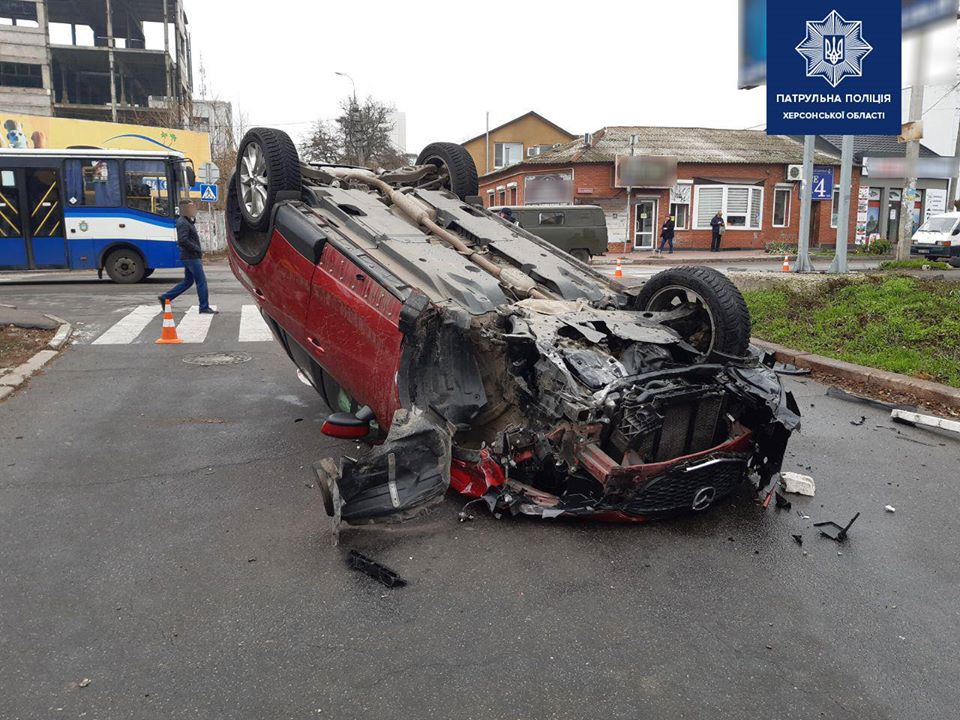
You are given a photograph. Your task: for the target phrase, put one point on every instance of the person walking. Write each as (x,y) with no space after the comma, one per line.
(188,240)
(507,214)
(718,227)
(666,234)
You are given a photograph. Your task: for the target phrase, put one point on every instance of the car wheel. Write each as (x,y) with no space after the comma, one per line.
(148,272)
(460,169)
(582,255)
(267,163)
(721,322)
(125,266)
(954,261)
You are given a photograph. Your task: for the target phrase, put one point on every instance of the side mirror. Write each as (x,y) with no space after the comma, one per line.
(191,176)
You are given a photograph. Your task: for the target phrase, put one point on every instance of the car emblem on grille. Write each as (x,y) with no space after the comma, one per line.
(703,498)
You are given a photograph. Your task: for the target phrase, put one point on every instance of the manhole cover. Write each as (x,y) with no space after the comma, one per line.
(217,358)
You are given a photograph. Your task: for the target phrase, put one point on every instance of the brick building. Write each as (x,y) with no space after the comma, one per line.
(742,173)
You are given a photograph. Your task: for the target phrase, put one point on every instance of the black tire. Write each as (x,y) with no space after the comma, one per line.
(148,273)
(954,261)
(459,164)
(726,310)
(125,266)
(280,168)
(581,254)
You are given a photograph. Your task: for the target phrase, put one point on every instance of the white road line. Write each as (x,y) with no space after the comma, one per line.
(126,330)
(193,327)
(252,326)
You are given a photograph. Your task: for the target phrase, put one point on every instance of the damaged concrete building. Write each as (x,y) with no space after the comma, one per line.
(95,59)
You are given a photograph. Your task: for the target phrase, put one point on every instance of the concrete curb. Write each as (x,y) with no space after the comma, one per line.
(20,374)
(62,335)
(679,259)
(871,377)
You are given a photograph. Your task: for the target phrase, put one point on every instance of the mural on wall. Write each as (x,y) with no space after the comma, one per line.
(30,131)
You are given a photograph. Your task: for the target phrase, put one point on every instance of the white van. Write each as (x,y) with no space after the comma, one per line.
(939,238)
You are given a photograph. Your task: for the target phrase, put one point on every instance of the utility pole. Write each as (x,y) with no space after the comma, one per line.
(113,80)
(839,264)
(486,158)
(803,264)
(908,197)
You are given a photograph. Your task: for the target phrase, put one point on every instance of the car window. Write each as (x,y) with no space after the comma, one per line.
(93,182)
(939,224)
(551,218)
(145,182)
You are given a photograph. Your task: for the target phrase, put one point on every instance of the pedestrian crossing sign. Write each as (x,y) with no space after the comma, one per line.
(208,193)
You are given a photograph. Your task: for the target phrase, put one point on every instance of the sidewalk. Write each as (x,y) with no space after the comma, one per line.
(649,257)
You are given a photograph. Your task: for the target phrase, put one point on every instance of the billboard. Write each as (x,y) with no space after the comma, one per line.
(32,131)
(548,189)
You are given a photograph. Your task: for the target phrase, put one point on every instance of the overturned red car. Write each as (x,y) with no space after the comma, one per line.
(474,354)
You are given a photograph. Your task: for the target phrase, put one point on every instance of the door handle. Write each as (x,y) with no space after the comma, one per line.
(259,293)
(315,343)
(123,225)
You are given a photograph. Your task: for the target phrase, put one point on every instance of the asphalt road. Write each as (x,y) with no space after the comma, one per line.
(160,535)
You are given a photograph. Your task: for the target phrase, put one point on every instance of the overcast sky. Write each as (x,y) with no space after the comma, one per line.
(447,63)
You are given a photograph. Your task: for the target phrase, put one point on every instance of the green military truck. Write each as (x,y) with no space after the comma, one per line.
(581,230)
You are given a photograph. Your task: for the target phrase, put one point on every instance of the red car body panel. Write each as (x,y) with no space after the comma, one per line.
(352,329)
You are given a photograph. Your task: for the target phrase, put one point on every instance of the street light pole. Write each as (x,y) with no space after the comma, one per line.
(352,83)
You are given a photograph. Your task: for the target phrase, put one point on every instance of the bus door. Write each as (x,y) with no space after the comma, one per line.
(13,240)
(43,218)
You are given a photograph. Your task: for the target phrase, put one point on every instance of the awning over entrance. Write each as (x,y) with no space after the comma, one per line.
(727,181)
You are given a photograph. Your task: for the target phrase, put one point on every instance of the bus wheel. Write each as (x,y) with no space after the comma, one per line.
(125,266)
(148,272)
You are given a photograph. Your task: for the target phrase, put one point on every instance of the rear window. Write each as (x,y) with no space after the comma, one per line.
(939,224)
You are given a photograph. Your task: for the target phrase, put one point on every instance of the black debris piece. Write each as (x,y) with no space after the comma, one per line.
(840,394)
(298,420)
(788,369)
(834,531)
(381,573)
(798,539)
(861,421)
(782,501)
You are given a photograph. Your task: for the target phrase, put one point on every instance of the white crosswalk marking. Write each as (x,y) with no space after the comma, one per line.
(252,326)
(193,327)
(127,329)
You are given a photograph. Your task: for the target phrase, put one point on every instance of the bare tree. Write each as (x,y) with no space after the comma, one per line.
(360,135)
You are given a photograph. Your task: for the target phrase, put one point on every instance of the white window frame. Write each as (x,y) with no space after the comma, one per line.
(491,196)
(723,207)
(689,205)
(788,189)
(834,206)
(503,147)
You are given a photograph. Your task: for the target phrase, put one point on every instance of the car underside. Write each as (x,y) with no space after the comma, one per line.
(475,355)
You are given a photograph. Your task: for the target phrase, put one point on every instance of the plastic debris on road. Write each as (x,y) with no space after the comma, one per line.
(798,484)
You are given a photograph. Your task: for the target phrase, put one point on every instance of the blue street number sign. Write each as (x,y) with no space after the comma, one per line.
(822,183)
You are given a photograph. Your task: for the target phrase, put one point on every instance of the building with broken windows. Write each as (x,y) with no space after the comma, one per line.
(115,60)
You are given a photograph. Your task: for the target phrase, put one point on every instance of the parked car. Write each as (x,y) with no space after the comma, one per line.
(939,238)
(475,354)
(580,230)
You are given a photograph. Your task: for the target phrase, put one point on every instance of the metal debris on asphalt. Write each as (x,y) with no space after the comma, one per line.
(914,419)
(381,573)
(797,539)
(861,421)
(889,508)
(833,531)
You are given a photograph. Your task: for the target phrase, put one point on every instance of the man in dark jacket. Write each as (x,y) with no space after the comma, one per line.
(188,240)
(718,227)
(666,234)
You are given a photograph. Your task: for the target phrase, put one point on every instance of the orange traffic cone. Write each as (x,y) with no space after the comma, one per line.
(786,264)
(618,273)
(168,335)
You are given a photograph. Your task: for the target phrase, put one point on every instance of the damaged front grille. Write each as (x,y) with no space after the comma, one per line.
(693,487)
(662,422)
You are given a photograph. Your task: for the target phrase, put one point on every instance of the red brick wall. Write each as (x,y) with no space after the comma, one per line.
(594,182)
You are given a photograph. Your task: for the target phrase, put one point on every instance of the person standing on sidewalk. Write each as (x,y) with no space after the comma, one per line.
(666,234)
(718,227)
(188,240)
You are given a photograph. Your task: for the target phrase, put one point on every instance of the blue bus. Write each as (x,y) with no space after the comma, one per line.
(105,210)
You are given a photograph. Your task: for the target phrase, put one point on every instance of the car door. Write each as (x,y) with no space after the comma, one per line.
(353,332)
